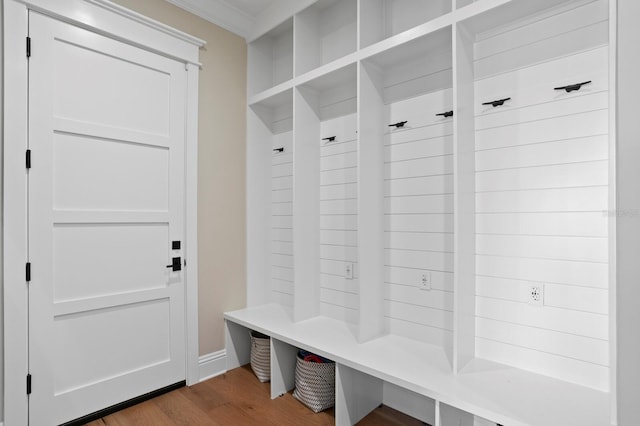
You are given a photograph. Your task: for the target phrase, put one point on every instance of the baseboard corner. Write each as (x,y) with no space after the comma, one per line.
(211,365)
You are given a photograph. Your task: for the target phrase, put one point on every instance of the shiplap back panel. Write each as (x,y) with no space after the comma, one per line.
(339,218)
(542,185)
(419,219)
(282,288)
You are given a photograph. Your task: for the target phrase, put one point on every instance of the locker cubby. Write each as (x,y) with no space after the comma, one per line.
(359,393)
(542,143)
(270,159)
(326,196)
(381,19)
(270,59)
(420,66)
(282,357)
(324,32)
(406,87)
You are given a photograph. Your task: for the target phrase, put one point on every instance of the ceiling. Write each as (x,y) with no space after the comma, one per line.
(237,16)
(250,7)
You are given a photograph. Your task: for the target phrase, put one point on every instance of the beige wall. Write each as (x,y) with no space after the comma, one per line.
(221,166)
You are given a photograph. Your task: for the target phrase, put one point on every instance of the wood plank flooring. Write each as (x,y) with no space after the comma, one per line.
(235,398)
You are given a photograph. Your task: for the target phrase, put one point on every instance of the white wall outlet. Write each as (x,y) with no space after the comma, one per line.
(348,270)
(536,295)
(425,281)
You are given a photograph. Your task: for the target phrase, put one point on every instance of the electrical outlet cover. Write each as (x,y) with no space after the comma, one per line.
(348,271)
(425,281)
(536,295)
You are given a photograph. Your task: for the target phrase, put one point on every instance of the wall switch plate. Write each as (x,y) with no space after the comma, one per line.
(348,270)
(536,295)
(425,281)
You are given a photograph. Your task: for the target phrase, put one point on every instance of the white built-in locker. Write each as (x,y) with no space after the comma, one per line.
(441,172)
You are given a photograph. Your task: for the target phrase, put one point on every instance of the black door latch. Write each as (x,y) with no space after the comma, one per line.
(176,264)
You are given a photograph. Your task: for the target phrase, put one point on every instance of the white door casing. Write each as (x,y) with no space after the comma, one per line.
(106,198)
(118,23)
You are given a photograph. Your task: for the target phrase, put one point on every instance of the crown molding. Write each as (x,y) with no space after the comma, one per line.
(278,12)
(220,13)
(151,23)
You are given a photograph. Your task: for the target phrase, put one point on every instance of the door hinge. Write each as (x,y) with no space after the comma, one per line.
(28,159)
(28,47)
(28,384)
(28,271)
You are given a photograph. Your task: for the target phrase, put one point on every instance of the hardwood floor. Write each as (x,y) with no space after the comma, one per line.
(235,398)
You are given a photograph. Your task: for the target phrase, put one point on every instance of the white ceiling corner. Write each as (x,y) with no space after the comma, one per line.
(223,13)
(247,18)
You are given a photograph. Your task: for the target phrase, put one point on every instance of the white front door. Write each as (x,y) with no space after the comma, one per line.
(106,201)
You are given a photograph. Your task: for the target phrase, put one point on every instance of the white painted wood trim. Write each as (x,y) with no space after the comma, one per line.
(219,13)
(371,219)
(158,26)
(275,15)
(464,200)
(191,223)
(123,25)
(15,214)
(613,272)
(283,366)
(211,365)
(112,21)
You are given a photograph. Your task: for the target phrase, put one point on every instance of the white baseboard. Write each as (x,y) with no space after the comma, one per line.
(211,365)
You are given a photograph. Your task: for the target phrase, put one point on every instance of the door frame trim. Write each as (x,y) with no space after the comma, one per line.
(116,22)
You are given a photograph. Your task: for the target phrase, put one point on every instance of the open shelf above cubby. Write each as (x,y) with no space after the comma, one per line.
(271,58)
(420,66)
(334,94)
(574,26)
(515,12)
(324,32)
(276,111)
(381,19)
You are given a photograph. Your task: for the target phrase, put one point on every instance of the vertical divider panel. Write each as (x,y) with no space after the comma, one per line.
(237,344)
(451,416)
(357,395)
(464,198)
(258,209)
(371,22)
(613,276)
(283,367)
(306,205)
(371,201)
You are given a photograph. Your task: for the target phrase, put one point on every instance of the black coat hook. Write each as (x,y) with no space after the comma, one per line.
(281,149)
(329,139)
(572,87)
(446,114)
(499,102)
(398,124)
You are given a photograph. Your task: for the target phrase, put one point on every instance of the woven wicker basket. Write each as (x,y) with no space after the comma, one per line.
(315,384)
(261,356)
